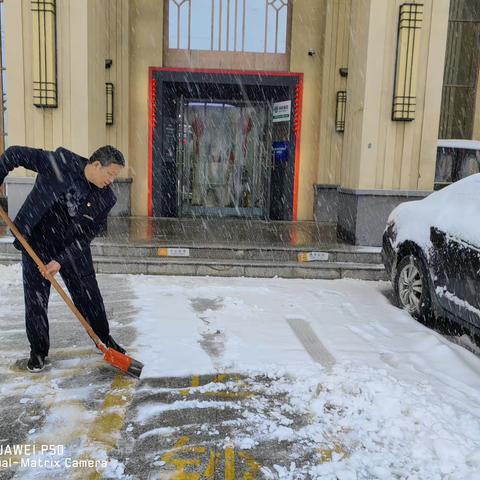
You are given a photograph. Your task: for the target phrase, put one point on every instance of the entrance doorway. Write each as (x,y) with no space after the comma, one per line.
(224,158)
(224,144)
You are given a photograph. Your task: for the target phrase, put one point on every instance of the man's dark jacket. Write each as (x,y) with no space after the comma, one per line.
(57,172)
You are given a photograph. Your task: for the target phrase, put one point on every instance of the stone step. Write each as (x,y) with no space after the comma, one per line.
(229,268)
(228,252)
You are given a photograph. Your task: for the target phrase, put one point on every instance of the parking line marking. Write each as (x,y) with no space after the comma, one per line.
(220,378)
(212,458)
(212,463)
(229,463)
(105,430)
(181,463)
(253,466)
(196,381)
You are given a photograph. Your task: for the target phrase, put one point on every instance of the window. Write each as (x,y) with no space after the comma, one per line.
(256,26)
(461,70)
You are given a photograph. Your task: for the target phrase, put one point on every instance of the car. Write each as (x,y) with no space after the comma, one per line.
(456,159)
(431,252)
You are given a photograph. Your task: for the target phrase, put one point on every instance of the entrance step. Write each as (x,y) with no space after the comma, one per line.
(228,267)
(343,254)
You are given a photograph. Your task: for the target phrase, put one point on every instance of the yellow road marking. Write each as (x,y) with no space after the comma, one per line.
(253,466)
(326,454)
(196,381)
(180,443)
(212,463)
(113,421)
(212,457)
(220,378)
(105,430)
(229,463)
(180,464)
(108,423)
(229,394)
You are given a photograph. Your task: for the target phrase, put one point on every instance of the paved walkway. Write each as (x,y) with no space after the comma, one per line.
(70,403)
(216,232)
(179,427)
(393,399)
(184,428)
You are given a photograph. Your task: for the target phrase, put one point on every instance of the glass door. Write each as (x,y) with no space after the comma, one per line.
(224,158)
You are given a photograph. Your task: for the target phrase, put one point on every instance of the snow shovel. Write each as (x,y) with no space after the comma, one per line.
(119,360)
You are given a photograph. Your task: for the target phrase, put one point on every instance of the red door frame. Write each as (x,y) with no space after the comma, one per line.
(298,106)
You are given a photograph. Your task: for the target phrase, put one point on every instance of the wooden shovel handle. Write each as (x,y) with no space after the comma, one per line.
(52,280)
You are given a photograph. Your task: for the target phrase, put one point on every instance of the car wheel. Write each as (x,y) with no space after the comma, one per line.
(412,289)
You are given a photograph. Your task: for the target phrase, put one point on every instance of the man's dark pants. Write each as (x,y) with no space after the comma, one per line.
(80,280)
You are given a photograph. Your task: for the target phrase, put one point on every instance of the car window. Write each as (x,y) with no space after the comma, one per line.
(470,164)
(443,168)
(456,209)
(455,163)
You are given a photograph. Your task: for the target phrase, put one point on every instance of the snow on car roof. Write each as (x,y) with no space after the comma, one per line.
(454,210)
(465,144)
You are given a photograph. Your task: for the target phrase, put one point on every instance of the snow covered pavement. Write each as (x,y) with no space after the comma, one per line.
(244,378)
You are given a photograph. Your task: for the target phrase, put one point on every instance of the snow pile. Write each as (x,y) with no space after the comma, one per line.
(147,412)
(351,422)
(367,423)
(394,429)
(400,402)
(453,210)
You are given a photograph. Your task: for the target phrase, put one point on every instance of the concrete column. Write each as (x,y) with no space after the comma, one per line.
(14,48)
(308,24)
(382,158)
(335,56)
(118,50)
(146,50)
(80,76)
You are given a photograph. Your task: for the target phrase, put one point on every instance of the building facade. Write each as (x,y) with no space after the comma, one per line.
(325,110)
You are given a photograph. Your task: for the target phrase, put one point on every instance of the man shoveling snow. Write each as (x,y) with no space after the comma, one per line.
(63,213)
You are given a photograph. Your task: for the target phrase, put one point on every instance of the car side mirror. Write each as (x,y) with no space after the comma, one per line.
(437,237)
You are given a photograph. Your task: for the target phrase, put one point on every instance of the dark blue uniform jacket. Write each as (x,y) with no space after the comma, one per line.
(57,172)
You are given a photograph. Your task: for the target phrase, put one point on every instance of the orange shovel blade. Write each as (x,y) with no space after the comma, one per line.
(123,362)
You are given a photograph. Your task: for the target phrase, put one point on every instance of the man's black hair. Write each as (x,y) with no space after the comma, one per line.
(107,155)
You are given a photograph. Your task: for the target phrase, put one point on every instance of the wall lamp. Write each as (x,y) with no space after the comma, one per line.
(44,53)
(109,91)
(341,111)
(406,69)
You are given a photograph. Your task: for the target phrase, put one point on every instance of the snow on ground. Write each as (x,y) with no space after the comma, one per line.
(402,400)
(397,400)
(61,405)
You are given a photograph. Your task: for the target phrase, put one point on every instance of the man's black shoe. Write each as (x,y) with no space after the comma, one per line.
(111,343)
(36,363)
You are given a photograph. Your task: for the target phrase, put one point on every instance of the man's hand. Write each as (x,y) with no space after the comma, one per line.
(52,267)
